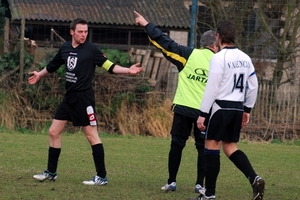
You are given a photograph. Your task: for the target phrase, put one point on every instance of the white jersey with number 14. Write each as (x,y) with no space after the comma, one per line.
(232,78)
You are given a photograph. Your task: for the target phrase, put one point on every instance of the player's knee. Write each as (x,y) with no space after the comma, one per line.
(52,133)
(179,140)
(177,145)
(229,148)
(93,139)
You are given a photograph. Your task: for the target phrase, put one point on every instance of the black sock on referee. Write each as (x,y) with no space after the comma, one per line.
(53,155)
(200,164)
(242,162)
(175,154)
(98,156)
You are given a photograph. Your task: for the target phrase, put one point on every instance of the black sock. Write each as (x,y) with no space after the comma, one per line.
(212,169)
(242,162)
(200,165)
(98,156)
(174,161)
(53,155)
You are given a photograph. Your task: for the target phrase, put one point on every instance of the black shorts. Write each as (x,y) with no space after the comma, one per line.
(181,130)
(74,108)
(225,121)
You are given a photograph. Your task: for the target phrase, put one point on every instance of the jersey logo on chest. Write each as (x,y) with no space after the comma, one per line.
(71,62)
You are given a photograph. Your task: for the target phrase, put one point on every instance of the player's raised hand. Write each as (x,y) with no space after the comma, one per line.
(139,19)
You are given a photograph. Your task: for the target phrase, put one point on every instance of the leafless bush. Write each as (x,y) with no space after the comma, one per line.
(126,105)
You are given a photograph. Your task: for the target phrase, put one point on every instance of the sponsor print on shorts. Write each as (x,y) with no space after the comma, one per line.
(91,115)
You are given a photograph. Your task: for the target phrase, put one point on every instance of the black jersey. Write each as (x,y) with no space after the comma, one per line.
(80,63)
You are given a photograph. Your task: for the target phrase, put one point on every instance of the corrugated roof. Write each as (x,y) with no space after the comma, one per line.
(165,13)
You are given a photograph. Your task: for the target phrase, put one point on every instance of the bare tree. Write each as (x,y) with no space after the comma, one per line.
(2,19)
(267,29)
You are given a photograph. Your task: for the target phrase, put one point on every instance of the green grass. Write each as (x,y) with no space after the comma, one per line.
(137,168)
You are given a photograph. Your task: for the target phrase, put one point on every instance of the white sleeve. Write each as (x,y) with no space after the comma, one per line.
(212,86)
(251,91)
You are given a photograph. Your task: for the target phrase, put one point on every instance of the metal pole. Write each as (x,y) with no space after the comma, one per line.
(193,23)
(22,49)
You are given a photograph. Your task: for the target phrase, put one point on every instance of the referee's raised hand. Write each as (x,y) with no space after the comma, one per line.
(139,19)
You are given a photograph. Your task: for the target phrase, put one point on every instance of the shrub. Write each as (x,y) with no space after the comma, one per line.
(11,60)
(117,56)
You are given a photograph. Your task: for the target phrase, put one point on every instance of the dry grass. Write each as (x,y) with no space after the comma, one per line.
(158,117)
(154,119)
(16,112)
(129,119)
(125,110)
(7,110)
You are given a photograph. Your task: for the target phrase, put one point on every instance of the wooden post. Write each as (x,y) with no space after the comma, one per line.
(6,36)
(129,38)
(51,37)
(22,49)
(90,35)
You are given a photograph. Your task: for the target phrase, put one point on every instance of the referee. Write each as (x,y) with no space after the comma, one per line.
(193,67)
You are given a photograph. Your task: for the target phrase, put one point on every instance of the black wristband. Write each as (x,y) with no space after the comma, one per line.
(247,109)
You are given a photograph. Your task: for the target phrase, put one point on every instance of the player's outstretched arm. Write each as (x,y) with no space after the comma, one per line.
(133,69)
(36,76)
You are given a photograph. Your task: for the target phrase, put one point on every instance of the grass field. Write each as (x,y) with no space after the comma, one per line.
(137,168)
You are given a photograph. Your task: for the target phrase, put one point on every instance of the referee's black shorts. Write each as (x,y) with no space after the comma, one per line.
(182,128)
(74,108)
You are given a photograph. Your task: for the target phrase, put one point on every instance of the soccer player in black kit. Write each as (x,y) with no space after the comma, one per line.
(78,105)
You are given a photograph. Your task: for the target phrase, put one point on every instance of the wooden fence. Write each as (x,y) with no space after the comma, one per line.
(160,73)
(275,117)
(271,117)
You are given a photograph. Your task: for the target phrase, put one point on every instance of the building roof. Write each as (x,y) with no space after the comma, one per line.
(164,13)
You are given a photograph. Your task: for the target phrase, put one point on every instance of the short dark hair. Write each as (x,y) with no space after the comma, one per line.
(77,21)
(226,30)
